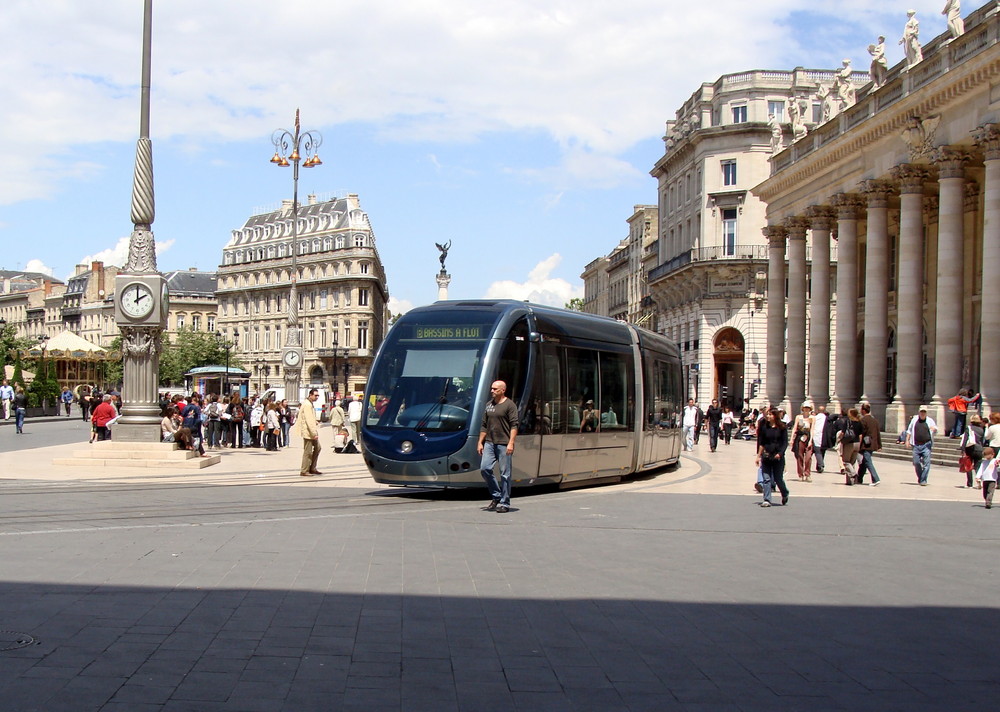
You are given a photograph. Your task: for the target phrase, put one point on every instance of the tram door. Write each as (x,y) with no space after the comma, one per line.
(513,370)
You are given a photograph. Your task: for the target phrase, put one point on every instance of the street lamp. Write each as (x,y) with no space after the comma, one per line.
(259,369)
(227,346)
(43,340)
(288,149)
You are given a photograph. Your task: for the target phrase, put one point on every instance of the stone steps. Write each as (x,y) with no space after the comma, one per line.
(109,453)
(945,452)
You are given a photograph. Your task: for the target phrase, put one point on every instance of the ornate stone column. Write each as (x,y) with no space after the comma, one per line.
(775,313)
(948,356)
(795,379)
(846,388)
(820,219)
(876,321)
(988,138)
(443,280)
(909,297)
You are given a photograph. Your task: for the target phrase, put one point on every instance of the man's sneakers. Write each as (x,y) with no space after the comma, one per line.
(491,507)
(502,509)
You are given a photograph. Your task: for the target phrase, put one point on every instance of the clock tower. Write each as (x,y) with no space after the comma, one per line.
(141,294)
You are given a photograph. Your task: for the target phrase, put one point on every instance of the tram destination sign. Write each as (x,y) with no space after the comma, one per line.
(467,331)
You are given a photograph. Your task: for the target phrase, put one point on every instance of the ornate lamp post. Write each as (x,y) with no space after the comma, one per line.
(227,346)
(43,341)
(288,149)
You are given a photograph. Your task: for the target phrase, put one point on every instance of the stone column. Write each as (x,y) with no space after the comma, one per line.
(909,297)
(795,380)
(443,280)
(820,221)
(775,313)
(948,356)
(988,138)
(846,389)
(877,194)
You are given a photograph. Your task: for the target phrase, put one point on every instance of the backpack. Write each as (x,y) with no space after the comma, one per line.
(849,436)
(237,412)
(213,411)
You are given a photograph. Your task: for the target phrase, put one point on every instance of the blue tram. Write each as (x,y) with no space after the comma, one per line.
(597,398)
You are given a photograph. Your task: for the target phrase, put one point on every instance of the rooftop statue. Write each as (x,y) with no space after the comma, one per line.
(880,66)
(956,25)
(911,40)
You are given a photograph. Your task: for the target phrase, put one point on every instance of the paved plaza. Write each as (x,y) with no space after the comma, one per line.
(247,587)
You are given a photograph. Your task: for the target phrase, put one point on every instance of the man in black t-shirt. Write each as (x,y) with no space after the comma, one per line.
(714,417)
(496,445)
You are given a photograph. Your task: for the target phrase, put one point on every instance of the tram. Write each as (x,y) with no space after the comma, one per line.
(597,399)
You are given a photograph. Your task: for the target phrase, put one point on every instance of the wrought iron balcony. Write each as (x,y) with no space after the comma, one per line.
(708,254)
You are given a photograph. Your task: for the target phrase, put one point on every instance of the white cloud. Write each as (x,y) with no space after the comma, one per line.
(399,306)
(118,255)
(595,78)
(38,266)
(540,287)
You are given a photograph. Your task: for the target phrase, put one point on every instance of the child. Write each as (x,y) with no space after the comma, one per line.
(988,474)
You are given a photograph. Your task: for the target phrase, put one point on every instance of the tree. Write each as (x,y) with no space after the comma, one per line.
(18,377)
(11,343)
(191,350)
(575,304)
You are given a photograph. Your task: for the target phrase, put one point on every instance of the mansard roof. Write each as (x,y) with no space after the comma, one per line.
(314,219)
(190,283)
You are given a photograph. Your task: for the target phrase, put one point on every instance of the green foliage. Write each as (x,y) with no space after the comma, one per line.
(114,373)
(45,388)
(575,304)
(18,376)
(11,343)
(191,350)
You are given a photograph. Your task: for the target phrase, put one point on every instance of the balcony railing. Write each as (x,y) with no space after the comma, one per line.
(708,254)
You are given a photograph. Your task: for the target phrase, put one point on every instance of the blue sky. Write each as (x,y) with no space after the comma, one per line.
(522,131)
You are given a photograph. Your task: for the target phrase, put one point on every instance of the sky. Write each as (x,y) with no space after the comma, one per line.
(524,132)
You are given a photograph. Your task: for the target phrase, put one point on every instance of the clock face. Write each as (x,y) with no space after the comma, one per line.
(292,358)
(136,300)
(164,300)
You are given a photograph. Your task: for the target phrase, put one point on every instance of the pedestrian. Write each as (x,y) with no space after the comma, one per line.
(235,421)
(690,422)
(103,414)
(728,421)
(272,426)
(496,446)
(701,422)
(714,417)
(959,404)
(920,436)
(85,400)
(988,475)
(6,398)
(850,442)
(256,422)
(992,435)
(802,445)
(337,415)
(772,442)
(871,442)
(168,425)
(309,430)
(971,445)
(193,420)
(818,433)
(67,399)
(213,421)
(285,419)
(354,413)
(20,405)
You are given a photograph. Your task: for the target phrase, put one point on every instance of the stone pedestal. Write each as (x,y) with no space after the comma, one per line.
(443,280)
(895,416)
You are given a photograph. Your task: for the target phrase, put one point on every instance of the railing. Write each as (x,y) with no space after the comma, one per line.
(708,254)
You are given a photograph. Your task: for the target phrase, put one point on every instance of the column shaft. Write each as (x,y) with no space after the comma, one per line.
(910,288)
(796,376)
(988,137)
(775,313)
(820,220)
(876,295)
(846,387)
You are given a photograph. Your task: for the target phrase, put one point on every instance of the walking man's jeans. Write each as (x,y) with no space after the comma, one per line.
(689,437)
(868,465)
(19,419)
(959,425)
(922,461)
(495,457)
(819,454)
(713,435)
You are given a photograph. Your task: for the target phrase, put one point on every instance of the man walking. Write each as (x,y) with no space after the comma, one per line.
(6,398)
(818,430)
(690,422)
(309,430)
(714,417)
(920,436)
(496,446)
(354,412)
(871,442)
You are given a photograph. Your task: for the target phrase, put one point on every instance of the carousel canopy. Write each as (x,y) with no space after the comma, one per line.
(69,342)
(8,373)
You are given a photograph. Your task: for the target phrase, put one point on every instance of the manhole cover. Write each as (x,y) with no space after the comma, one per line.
(12,640)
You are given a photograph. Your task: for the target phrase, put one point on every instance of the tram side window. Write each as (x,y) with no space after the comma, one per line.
(553,396)
(666,403)
(581,386)
(616,405)
(513,368)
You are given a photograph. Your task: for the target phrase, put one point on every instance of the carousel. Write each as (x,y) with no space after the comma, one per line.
(78,363)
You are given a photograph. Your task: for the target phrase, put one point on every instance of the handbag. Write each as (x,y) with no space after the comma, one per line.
(226,416)
(965,463)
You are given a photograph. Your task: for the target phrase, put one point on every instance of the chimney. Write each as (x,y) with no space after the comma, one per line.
(311,198)
(96,266)
(99,271)
(286,206)
(79,269)
(47,287)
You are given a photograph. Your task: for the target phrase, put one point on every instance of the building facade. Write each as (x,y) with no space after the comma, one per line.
(903,189)
(341,290)
(708,285)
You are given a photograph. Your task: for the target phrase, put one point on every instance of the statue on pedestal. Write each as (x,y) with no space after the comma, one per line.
(444,254)
(880,66)
(911,40)
(956,25)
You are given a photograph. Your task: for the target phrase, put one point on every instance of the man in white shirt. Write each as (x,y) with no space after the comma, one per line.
(689,422)
(354,412)
(819,422)
(6,398)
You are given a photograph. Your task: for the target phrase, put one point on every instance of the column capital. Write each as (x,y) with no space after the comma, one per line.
(950,161)
(971,189)
(796,227)
(847,205)
(987,137)
(930,208)
(820,217)
(876,192)
(911,178)
(775,234)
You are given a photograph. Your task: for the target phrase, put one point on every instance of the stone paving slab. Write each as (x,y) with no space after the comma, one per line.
(249,588)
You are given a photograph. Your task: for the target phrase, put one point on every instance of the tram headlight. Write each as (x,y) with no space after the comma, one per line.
(406,447)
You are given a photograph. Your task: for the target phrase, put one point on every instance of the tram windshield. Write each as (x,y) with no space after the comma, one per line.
(426,374)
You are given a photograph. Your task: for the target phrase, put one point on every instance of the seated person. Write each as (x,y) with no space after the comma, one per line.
(168,425)
(340,439)
(182,437)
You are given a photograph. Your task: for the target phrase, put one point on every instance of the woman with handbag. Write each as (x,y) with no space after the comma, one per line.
(850,443)
(802,447)
(772,441)
(972,447)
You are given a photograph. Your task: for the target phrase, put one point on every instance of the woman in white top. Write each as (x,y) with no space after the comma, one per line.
(168,426)
(802,446)
(728,421)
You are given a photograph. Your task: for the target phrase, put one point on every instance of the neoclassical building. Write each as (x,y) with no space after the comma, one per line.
(341,290)
(708,282)
(903,190)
